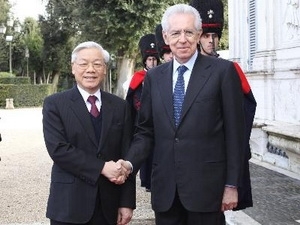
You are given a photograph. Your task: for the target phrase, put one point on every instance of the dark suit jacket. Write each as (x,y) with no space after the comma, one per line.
(204,152)
(78,158)
(245,190)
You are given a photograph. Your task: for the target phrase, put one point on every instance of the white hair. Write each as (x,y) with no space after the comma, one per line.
(89,44)
(106,56)
(177,9)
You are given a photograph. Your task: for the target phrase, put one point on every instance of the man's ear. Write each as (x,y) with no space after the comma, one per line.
(73,69)
(199,35)
(165,36)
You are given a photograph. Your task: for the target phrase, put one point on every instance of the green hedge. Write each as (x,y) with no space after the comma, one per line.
(14,80)
(7,74)
(24,95)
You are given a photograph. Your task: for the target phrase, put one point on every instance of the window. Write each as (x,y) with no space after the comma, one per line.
(252,32)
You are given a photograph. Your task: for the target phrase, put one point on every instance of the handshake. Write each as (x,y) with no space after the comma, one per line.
(117,172)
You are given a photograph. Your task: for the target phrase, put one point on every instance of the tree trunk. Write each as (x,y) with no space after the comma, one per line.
(125,71)
(55,82)
(34,78)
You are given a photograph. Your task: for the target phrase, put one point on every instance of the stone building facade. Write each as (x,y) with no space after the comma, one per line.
(265,40)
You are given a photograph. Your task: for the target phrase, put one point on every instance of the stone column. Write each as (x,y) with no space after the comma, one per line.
(9,103)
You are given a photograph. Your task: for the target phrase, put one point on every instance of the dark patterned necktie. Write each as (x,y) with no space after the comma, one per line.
(94,110)
(178,95)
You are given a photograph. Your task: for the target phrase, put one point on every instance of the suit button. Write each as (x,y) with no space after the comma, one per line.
(176,140)
(99,156)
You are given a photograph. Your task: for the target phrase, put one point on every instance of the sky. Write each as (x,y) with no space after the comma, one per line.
(27,8)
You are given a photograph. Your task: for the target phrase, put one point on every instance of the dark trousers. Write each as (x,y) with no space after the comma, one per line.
(145,172)
(97,219)
(178,215)
(223,219)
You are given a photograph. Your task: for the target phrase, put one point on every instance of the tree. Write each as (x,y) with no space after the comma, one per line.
(4,10)
(30,38)
(4,13)
(224,42)
(119,26)
(59,32)
(116,24)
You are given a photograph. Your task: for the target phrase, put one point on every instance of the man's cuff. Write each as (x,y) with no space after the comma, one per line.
(230,186)
(131,170)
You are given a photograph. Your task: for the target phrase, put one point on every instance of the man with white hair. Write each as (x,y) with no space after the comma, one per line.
(191,118)
(86,130)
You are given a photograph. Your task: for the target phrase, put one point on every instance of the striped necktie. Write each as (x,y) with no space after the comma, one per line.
(94,110)
(178,95)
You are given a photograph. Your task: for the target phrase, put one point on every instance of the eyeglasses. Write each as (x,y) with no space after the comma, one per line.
(187,33)
(95,65)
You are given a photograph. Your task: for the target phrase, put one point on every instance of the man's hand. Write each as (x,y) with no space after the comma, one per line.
(126,165)
(124,216)
(230,199)
(115,172)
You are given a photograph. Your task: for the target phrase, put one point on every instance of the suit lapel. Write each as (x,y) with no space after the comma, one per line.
(79,109)
(165,88)
(199,76)
(107,111)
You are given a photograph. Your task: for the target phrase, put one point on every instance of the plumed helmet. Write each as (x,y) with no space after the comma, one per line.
(162,47)
(212,14)
(147,45)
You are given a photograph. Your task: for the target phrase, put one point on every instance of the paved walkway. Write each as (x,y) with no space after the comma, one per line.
(25,176)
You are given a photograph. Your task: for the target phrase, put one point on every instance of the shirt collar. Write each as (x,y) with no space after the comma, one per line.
(85,94)
(189,64)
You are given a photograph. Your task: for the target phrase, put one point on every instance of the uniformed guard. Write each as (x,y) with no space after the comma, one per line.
(150,59)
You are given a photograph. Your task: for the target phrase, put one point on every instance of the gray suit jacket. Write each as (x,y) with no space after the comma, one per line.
(78,159)
(204,152)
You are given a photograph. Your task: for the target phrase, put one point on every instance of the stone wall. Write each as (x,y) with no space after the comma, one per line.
(273,73)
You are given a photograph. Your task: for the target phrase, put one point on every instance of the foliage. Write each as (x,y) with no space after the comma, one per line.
(224,42)
(28,37)
(120,24)
(14,80)
(4,9)
(24,95)
(6,74)
(4,52)
(32,39)
(59,32)
(116,24)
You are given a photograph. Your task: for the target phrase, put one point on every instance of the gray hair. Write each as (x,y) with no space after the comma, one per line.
(89,44)
(177,9)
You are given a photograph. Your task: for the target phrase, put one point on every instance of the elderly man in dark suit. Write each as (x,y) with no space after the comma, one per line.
(192,119)
(87,185)
(212,14)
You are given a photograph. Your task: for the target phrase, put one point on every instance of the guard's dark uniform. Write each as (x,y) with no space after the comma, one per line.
(162,47)
(148,48)
(212,14)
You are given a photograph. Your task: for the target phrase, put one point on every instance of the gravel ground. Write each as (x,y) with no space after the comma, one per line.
(25,172)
